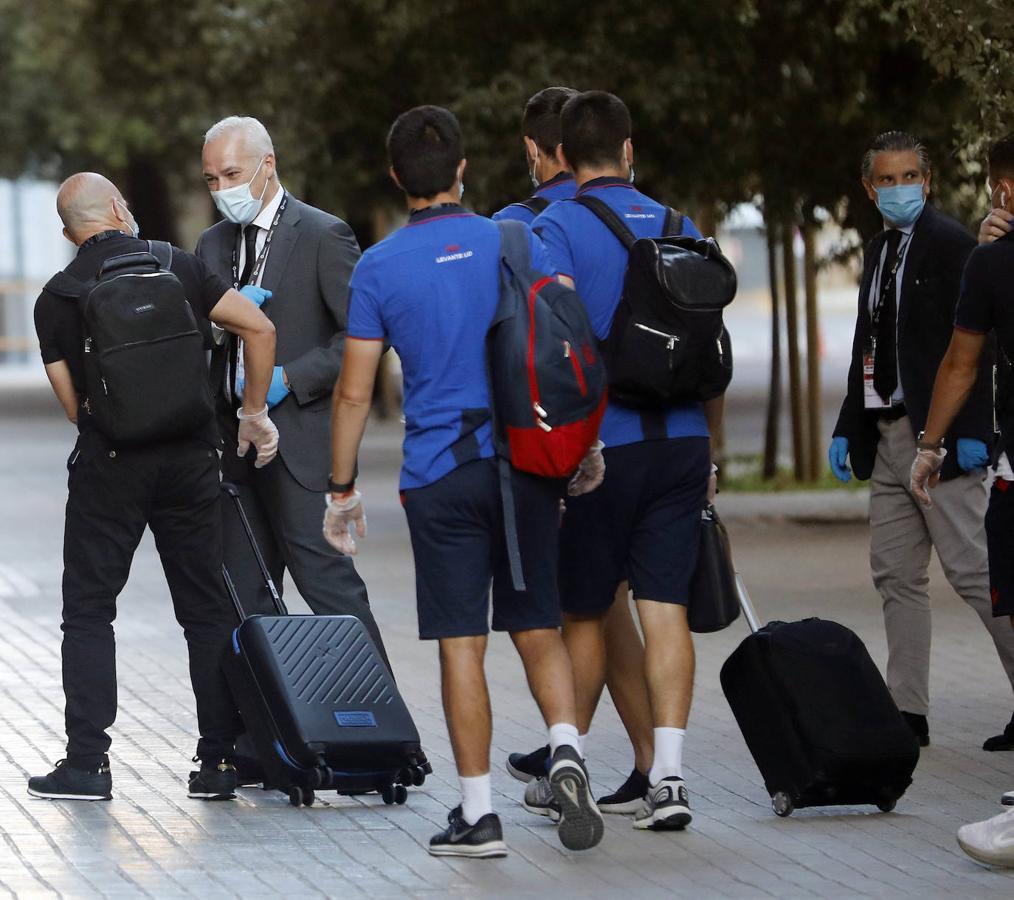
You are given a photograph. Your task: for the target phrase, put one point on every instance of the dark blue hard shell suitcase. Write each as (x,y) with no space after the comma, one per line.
(319,705)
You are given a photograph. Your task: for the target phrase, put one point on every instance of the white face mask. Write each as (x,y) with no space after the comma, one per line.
(134,228)
(238,204)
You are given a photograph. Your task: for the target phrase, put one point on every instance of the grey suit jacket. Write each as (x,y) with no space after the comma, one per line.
(307,270)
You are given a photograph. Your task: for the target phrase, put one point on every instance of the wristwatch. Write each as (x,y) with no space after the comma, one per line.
(922,444)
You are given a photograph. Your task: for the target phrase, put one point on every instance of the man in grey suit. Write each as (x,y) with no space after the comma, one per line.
(294,261)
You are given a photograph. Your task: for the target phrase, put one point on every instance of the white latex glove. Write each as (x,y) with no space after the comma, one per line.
(590,473)
(340,519)
(925,474)
(713,484)
(259,430)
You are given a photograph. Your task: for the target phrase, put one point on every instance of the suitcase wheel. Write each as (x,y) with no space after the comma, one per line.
(781,803)
(300,796)
(394,793)
(887,805)
(387,794)
(418,776)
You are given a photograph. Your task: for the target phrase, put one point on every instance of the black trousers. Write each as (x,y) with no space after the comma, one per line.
(114,493)
(287,522)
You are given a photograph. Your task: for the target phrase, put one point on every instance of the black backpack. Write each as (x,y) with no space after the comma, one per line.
(535,204)
(667,343)
(144,363)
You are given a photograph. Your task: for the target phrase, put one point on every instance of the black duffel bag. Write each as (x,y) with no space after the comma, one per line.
(714,600)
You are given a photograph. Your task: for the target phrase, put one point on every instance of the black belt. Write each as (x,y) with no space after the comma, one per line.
(892,413)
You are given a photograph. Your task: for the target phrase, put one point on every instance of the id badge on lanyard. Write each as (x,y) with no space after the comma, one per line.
(240,378)
(871,399)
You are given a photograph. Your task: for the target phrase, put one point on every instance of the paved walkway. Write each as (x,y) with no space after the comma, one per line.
(152,841)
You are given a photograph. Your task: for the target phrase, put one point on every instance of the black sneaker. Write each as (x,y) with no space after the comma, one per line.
(526,766)
(628,798)
(483,840)
(214,781)
(667,807)
(1003,741)
(67,783)
(919,726)
(581,823)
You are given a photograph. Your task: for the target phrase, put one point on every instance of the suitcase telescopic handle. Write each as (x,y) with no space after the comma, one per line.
(230,588)
(746,605)
(276,598)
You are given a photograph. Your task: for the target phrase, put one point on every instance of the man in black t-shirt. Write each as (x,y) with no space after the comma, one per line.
(116,490)
(986,306)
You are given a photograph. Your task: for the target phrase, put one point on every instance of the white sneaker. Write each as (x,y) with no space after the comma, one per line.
(666,808)
(990,842)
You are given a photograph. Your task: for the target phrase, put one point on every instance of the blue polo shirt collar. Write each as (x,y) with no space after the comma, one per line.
(440,211)
(558,178)
(605,181)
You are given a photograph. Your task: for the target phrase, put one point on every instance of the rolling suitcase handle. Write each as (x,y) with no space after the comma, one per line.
(746,605)
(276,599)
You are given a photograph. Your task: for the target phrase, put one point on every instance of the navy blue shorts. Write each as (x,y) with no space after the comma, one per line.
(456,526)
(1000,543)
(642,525)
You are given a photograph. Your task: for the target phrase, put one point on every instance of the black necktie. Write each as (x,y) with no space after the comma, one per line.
(885,363)
(250,251)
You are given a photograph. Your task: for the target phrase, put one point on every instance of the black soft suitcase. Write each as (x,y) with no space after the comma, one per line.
(817,716)
(319,704)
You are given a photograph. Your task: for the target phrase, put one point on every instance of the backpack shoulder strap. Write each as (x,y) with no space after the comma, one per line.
(514,244)
(673,226)
(163,252)
(535,204)
(64,285)
(607,217)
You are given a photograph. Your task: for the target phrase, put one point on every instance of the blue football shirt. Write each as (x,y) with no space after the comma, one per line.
(583,248)
(431,289)
(560,187)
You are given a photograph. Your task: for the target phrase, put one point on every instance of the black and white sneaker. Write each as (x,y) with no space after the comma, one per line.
(214,781)
(581,823)
(628,798)
(67,783)
(526,766)
(1007,798)
(539,799)
(666,808)
(483,840)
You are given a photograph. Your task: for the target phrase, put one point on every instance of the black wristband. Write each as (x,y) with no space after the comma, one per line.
(336,488)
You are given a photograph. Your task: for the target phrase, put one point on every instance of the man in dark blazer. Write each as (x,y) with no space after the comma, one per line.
(295,262)
(910,287)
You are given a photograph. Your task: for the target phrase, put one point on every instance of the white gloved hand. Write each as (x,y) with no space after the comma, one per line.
(340,519)
(590,473)
(259,430)
(713,484)
(925,474)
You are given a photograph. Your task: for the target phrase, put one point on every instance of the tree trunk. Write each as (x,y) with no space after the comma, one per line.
(774,412)
(150,200)
(812,348)
(792,328)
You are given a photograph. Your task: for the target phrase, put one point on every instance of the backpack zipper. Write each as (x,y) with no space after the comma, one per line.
(576,363)
(533,384)
(671,339)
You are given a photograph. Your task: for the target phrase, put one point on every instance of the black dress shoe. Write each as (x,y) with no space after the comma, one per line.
(919,726)
(1003,741)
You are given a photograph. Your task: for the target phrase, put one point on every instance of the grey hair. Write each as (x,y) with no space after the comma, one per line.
(895,142)
(256,135)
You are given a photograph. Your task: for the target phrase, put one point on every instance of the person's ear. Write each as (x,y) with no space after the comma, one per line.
(69,236)
(628,151)
(870,192)
(394,178)
(531,152)
(269,166)
(926,183)
(461,170)
(563,158)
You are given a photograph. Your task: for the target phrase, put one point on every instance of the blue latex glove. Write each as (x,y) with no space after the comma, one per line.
(277,390)
(257,294)
(837,456)
(972,454)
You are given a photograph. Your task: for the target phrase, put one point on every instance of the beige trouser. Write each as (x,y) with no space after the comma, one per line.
(901,534)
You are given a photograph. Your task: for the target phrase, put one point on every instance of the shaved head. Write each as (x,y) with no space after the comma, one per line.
(85,203)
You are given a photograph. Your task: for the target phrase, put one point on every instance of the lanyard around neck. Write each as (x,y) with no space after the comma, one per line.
(259,264)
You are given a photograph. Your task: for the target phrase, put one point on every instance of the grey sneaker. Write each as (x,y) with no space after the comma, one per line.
(666,808)
(539,799)
(581,825)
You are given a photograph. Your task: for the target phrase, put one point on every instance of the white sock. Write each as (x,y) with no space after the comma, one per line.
(476,797)
(561,734)
(582,742)
(668,754)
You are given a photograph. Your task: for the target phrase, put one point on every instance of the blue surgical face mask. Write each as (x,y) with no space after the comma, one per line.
(901,204)
(237,203)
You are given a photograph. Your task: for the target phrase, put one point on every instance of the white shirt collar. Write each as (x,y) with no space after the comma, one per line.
(267,215)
